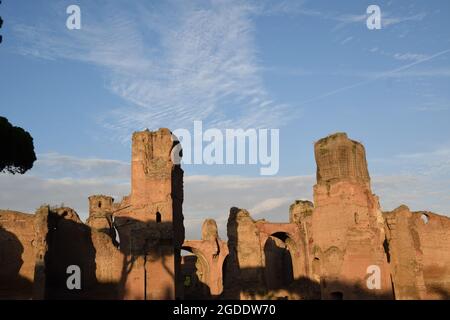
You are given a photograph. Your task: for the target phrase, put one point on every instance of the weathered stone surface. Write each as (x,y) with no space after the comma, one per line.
(71,242)
(100,218)
(266,260)
(339,158)
(150,221)
(300,210)
(209,230)
(17,255)
(37,253)
(244,268)
(418,244)
(210,253)
(347,223)
(324,251)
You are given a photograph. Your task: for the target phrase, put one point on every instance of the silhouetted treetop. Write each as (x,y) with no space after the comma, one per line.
(16,148)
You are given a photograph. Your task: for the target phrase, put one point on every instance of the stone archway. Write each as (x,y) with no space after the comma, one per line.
(195,270)
(290,234)
(210,255)
(286,267)
(279,266)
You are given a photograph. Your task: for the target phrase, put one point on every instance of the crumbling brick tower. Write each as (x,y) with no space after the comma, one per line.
(150,222)
(347,223)
(100,214)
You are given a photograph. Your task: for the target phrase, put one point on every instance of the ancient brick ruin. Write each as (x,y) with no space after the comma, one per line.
(131,249)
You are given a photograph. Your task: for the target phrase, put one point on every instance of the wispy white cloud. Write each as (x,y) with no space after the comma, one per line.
(434,163)
(287,7)
(348,39)
(419,192)
(270,204)
(430,72)
(368,75)
(408,56)
(432,107)
(183,63)
(349,18)
(387,19)
(305,8)
(420,180)
(395,72)
(26,193)
(267,198)
(55,165)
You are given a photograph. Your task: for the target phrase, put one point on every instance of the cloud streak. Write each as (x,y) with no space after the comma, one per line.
(55,165)
(396,72)
(171,65)
(295,7)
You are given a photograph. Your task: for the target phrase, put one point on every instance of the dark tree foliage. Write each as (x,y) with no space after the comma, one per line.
(16,148)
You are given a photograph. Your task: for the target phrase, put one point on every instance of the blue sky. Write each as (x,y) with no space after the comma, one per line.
(308,68)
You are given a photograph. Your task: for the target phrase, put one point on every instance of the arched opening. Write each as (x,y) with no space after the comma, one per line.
(189,272)
(425,218)
(279,271)
(194,270)
(158,217)
(99,204)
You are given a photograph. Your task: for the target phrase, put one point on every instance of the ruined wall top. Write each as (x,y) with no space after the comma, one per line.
(152,149)
(299,210)
(209,230)
(152,168)
(339,158)
(67,213)
(100,204)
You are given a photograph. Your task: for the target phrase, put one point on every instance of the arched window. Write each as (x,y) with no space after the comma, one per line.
(158,217)
(425,218)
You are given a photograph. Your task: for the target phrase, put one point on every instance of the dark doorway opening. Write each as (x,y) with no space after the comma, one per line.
(279,272)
